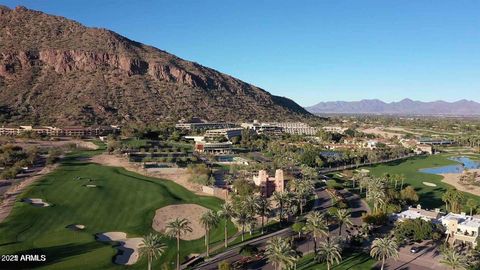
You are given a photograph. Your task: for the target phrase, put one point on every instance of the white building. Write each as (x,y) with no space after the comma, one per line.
(461,228)
(334,129)
(224,132)
(417,212)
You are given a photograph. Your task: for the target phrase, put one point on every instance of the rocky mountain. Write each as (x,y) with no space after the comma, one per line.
(403,107)
(57,71)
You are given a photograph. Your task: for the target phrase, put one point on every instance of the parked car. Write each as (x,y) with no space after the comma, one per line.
(415,249)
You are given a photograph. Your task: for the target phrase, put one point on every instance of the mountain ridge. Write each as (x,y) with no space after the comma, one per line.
(405,106)
(56,71)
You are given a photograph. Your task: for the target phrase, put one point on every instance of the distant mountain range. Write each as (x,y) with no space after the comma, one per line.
(404,107)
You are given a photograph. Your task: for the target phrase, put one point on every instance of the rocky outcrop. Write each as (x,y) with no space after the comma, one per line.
(57,71)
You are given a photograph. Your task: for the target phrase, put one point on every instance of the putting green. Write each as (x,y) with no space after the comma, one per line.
(123,201)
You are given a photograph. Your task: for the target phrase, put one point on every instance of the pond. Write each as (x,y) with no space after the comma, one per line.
(465,163)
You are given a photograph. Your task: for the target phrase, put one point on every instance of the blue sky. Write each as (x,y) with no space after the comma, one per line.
(309,51)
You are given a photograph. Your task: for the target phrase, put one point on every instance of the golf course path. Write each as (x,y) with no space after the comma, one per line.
(11,195)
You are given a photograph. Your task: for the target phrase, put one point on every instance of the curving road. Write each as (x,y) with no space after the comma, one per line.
(322,203)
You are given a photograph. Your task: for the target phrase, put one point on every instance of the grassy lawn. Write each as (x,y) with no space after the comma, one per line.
(353,261)
(430,197)
(124,201)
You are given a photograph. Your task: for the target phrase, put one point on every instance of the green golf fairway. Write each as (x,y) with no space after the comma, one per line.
(123,201)
(430,197)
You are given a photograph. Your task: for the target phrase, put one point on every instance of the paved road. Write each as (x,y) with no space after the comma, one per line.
(427,258)
(322,203)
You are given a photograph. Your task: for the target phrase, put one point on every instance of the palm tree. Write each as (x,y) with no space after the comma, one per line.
(453,259)
(317,226)
(472,204)
(176,228)
(329,252)
(281,198)
(376,193)
(384,248)
(343,218)
(280,253)
(209,220)
(152,246)
(243,218)
(226,213)
(263,209)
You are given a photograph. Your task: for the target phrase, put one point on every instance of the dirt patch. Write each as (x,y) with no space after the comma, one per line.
(177,175)
(380,132)
(454,178)
(191,212)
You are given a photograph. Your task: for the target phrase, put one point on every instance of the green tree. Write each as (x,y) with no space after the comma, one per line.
(209,220)
(263,209)
(342,216)
(454,259)
(408,194)
(298,227)
(152,247)
(472,204)
(280,253)
(226,212)
(329,252)
(224,265)
(317,226)
(384,248)
(177,228)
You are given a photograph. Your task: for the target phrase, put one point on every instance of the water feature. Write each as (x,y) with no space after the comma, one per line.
(465,163)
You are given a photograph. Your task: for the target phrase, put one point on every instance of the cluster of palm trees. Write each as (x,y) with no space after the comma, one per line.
(153,245)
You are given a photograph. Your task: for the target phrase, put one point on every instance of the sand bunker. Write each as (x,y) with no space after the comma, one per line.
(192,212)
(429,184)
(76,227)
(36,202)
(454,180)
(128,248)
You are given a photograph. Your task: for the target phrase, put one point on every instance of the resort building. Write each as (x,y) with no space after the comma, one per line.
(223,132)
(268,184)
(461,228)
(197,123)
(424,148)
(275,128)
(334,129)
(263,128)
(418,212)
(58,132)
(214,148)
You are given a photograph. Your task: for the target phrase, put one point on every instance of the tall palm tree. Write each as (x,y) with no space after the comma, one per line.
(343,218)
(317,226)
(472,204)
(226,212)
(282,199)
(209,220)
(280,253)
(152,246)
(384,248)
(176,228)
(453,259)
(243,218)
(376,193)
(263,209)
(329,252)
